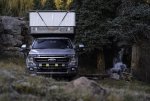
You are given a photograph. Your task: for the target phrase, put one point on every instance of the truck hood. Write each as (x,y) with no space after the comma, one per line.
(51,52)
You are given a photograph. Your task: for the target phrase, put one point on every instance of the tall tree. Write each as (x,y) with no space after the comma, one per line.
(44,5)
(63,4)
(92,25)
(108,22)
(15,7)
(21,7)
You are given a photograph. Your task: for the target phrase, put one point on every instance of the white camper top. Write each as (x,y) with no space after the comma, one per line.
(51,22)
(52,18)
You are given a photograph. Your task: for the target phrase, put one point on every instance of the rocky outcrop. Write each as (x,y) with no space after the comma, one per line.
(86,87)
(11,35)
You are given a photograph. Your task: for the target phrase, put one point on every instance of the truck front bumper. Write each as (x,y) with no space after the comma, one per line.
(62,71)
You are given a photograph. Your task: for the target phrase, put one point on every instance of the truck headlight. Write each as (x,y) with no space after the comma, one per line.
(30,61)
(73,61)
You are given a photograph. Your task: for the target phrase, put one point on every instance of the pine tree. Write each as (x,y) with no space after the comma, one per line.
(102,23)
(92,26)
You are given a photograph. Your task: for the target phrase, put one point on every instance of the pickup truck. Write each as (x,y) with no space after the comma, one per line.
(52,51)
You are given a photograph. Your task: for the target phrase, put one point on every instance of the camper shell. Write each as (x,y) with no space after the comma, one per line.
(52,23)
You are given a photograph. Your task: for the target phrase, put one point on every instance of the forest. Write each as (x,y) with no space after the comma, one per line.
(112,31)
(103,26)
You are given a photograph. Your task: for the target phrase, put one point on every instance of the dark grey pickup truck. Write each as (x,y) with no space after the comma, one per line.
(52,55)
(52,50)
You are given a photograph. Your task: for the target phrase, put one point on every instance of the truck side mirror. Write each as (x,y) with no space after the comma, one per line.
(24,46)
(81,46)
(24,50)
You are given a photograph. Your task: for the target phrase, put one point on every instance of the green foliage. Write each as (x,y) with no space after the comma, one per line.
(99,22)
(93,17)
(132,25)
(44,5)
(106,22)
(15,7)
(63,4)
(22,7)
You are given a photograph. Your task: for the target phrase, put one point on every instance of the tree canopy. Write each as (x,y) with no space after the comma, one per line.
(93,18)
(106,22)
(99,22)
(21,7)
(15,7)
(63,4)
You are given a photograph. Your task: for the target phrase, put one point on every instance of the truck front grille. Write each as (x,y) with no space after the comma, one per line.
(51,59)
(51,70)
(52,65)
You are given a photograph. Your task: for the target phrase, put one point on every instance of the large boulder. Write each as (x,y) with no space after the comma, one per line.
(12,25)
(1,27)
(10,40)
(11,35)
(85,87)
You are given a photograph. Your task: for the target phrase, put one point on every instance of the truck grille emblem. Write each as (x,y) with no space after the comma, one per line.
(52,60)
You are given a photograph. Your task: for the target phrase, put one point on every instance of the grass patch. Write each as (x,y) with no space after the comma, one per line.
(12,60)
(13,65)
(120,90)
(16,85)
(131,85)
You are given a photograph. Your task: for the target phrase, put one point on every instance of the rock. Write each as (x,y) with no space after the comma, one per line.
(6,76)
(1,27)
(11,25)
(115,76)
(12,35)
(85,86)
(12,41)
(13,53)
(11,48)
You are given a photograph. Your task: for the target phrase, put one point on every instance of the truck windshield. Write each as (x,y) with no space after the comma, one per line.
(52,44)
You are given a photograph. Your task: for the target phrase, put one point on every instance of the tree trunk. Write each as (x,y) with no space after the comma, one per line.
(135,58)
(100,61)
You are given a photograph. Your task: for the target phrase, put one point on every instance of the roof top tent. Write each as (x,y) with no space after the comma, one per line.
(52,23)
